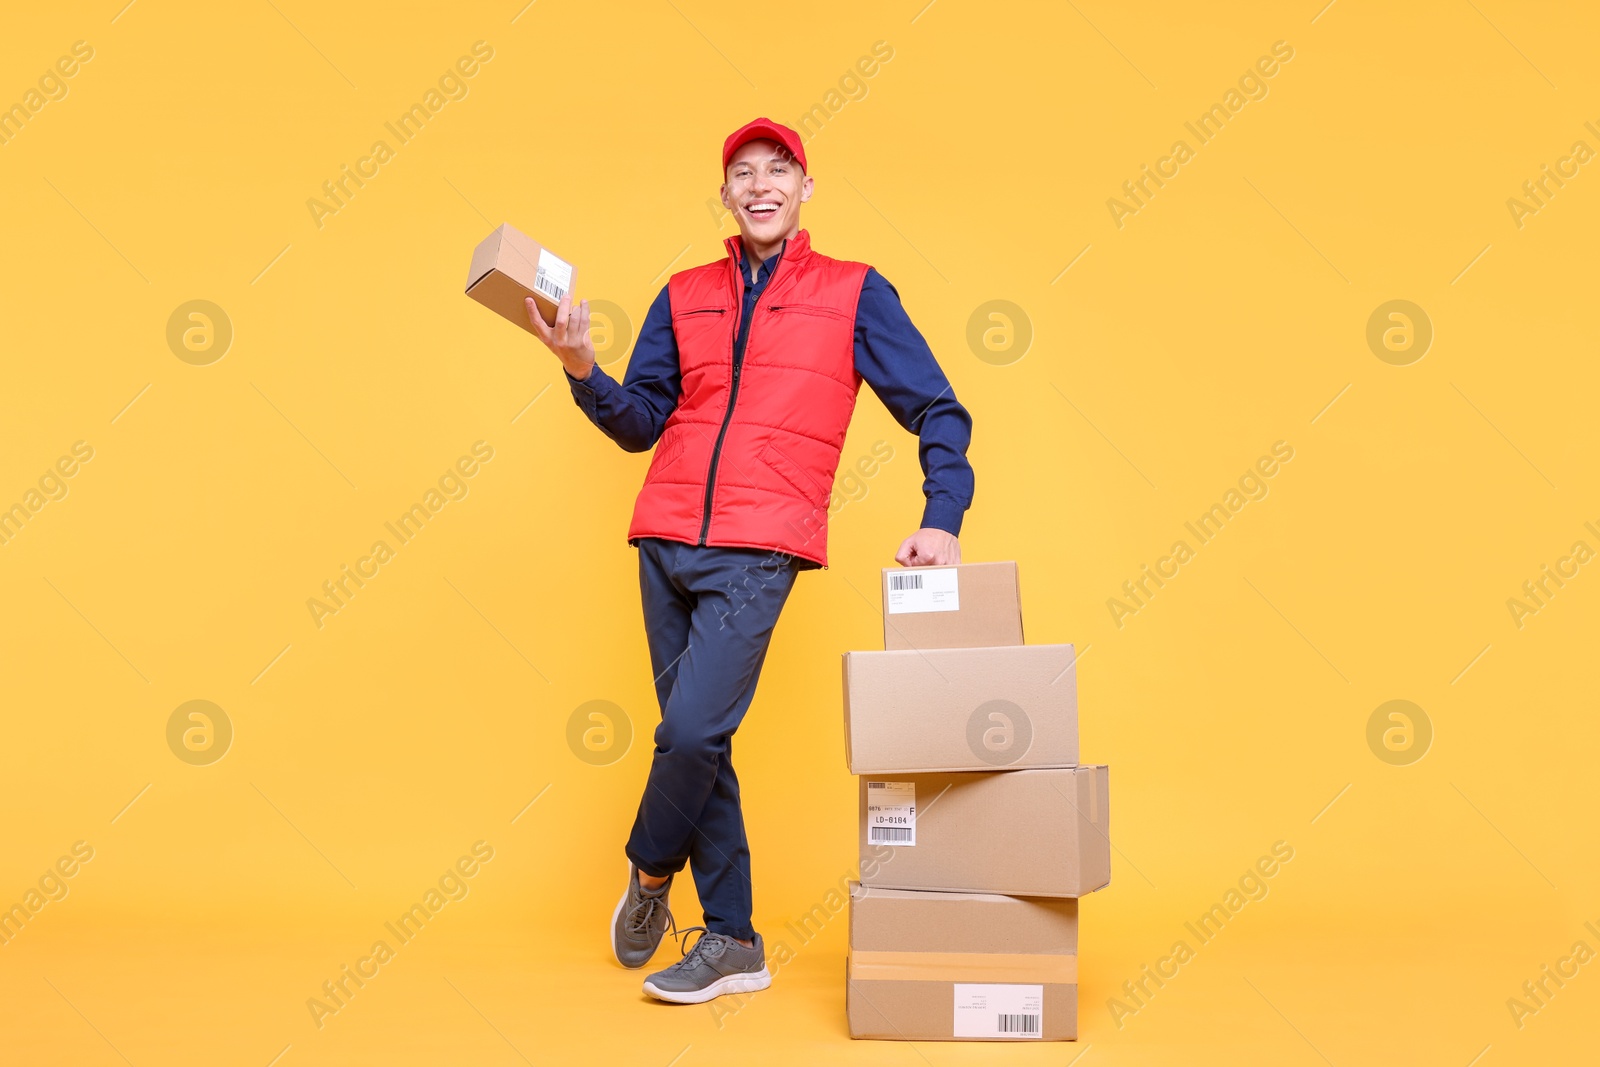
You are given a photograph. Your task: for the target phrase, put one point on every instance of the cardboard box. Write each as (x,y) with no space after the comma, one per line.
(971,605)
(1034,833)
(508,267)
(961,709)
(961,966)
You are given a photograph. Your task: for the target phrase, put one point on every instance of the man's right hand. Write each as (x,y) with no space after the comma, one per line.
(569,338)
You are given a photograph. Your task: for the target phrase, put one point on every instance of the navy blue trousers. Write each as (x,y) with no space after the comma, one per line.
(709,614)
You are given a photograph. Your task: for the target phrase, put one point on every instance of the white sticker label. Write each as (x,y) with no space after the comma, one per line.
(891,813)
(554,276)
(999,1011)
(923,589)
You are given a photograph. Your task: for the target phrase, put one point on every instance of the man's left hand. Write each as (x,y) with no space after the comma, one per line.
(929,547)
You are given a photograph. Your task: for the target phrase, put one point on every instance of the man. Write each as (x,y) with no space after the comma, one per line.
(744,379)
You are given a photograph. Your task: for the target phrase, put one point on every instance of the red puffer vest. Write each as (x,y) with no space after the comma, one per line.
(747,458)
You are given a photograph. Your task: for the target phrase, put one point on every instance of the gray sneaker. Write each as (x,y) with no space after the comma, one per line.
(717,964)
(642,916)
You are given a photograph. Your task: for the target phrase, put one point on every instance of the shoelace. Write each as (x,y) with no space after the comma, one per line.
(707,944)
(643,912)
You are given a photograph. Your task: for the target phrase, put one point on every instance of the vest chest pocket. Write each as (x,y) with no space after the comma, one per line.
(808,309)
(701,334)
(817,329)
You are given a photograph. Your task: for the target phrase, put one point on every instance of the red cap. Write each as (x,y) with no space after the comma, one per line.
(763,129)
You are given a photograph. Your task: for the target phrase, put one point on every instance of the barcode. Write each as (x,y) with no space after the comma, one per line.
(542,282)
(888,835)
(1019,1024)
(905,581)
(877,785)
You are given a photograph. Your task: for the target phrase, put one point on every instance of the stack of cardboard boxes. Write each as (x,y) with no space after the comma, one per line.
(979,828)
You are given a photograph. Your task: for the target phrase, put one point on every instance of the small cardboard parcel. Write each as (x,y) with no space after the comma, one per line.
(508,266)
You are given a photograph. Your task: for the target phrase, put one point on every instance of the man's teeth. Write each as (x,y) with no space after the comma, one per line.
(762,209)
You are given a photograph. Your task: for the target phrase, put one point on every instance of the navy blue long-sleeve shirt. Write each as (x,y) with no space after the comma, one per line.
(891,356)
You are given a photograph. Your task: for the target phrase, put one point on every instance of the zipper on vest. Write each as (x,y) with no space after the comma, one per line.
(808,309)
(733,396)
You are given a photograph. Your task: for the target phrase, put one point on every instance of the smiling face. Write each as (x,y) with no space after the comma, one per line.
(764,189)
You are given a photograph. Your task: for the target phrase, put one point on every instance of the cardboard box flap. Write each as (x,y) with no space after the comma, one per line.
(873,965)
(898,920)
(873,892)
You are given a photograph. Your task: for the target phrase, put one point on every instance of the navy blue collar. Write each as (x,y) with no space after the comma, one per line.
(765,270)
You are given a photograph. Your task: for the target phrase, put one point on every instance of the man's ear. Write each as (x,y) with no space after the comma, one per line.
(805,189)
(723,193)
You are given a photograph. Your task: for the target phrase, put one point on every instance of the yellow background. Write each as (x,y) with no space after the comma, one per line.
(1224,316)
